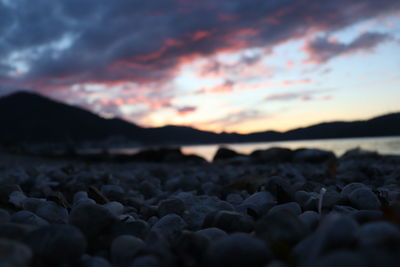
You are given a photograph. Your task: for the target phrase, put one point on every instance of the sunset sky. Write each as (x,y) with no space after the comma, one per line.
(220,65)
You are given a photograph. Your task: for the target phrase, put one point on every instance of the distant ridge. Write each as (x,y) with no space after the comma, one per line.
(31,118)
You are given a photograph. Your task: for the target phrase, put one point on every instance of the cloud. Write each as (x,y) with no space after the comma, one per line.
(302,96)
(226,87)
(186,110)
(74,41)
(323,49)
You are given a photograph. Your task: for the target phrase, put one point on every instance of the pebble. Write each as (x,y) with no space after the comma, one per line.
(310,218)
(27,217)
(170,226)
(342,259)
(52,212)
(88,261)
(282,226)
(212,233)
(238,250)
(146,261)
(364,199)
(379,235)
(259,203)
(115,207)
(229,221)
(14,254)
(292,207)
(56,245)
(169,206)
(91,219)
(4,216)
(124,249)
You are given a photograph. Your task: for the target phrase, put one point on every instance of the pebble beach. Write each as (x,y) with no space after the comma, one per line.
(272,208)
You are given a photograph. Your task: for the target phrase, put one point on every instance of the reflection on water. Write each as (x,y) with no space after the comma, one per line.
(383,145)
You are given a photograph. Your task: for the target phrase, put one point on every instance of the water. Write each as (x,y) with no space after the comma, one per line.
(382,145)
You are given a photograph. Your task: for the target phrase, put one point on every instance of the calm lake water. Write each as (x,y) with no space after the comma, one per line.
(383,145)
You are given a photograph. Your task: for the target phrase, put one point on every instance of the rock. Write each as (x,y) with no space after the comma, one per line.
(212,233)
(114,207)
(56,245)
(17,198)
(310,218)
(366,216)
(330,199)
(282,226)
(307,201)
(342,258)
(146,261)
(234,199)
(6,190)
(32,203)
(258,203)
(229,221)
(169,206)
(198,207)
(52,212)
(138,228)
(4,216)
(28,217)
(191,247)
(15,231)
(237,250)
(14,254)
(348,189)
(335,232)
(379,235)
(80,195)
(313,156)
(280,188)
(124,249)
(148,189)
(92,219)
(364,198)
(271,155)
(88,261)
(344,209)
(224,153)
(292,207)
(170,226)
(113,192)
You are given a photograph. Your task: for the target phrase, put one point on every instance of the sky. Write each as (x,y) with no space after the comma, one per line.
(227,65)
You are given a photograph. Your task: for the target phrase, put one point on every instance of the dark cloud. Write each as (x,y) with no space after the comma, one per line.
(186,110)
(74,41)
(323,49)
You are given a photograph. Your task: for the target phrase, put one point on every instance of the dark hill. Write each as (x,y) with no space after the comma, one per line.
(31,118)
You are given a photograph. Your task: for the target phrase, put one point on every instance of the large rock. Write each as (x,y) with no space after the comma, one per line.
(313,156)
(92,219)
(14,254)
(224,153)
(335,232)
(57,245)
(379,235)
(271,155)
(238,250)
(364,199)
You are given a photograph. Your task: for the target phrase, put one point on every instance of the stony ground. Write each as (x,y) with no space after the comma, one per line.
(274,208)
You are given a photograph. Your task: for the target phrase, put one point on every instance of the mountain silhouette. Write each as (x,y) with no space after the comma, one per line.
(31,118)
